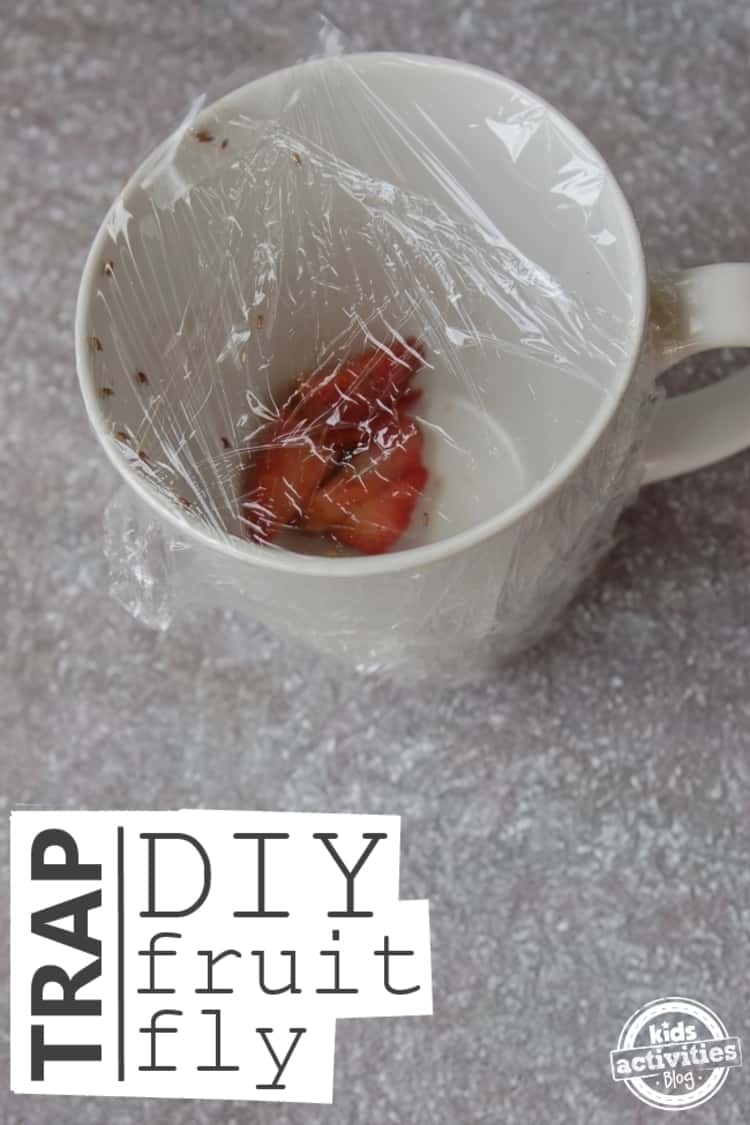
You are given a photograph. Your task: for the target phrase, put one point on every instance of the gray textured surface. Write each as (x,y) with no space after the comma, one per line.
(580,824)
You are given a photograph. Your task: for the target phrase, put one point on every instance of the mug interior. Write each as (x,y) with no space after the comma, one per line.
(344,201)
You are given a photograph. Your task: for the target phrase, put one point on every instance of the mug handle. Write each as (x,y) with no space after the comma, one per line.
(693,311)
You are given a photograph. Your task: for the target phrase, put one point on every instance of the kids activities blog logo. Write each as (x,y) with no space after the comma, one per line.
(203,954)
(674,1054)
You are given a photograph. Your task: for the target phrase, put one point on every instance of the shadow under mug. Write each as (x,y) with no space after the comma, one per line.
(492,586)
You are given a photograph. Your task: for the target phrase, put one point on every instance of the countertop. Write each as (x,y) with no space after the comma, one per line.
(579,822)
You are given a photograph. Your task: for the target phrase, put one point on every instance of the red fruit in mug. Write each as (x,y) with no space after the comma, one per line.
(378,522)
(351,391)
(278,486)
(396,450)
(331,412)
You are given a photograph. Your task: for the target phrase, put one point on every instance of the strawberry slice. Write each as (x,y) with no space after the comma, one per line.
(329,413)
(279,484)
(396,449)
(378,522)
(350,392)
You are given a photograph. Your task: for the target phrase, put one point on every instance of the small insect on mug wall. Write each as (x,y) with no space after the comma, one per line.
(379,197)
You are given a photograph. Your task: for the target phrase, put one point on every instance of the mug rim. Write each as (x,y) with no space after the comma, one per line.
(411,557)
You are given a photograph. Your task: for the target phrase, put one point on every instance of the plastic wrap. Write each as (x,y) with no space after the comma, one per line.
(341,321)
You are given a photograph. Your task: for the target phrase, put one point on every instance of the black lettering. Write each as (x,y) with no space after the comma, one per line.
(153,1030)
(69,1004)
(70,868)
(350,876)
(213,959)
(42,1052)
(335,954)
(291,985)
(264,1032)
(152,953)
(261,837)
(152,912)
(77,909)
(386,953)
(217,1065)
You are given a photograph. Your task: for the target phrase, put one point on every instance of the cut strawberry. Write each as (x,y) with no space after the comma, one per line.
(345,410)
(396,449)
(278,486)
(376,379)
(379,521)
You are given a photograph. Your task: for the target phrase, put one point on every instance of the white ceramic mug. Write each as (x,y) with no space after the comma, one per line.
(526,522)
